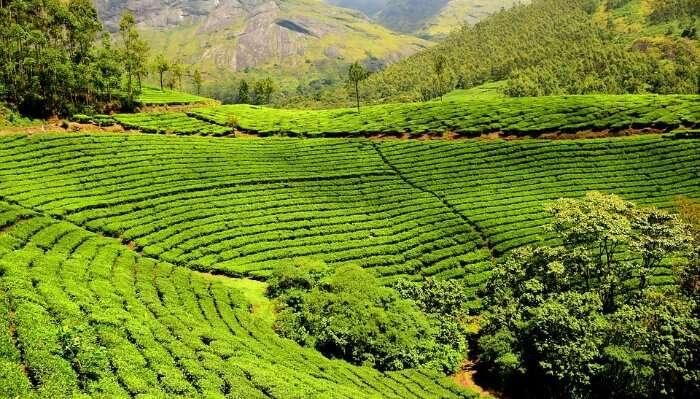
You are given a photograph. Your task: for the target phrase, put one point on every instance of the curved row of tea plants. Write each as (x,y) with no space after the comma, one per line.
(170,123)
(83,314)
(405,208)
(468,117)
(242,207)
(502,186)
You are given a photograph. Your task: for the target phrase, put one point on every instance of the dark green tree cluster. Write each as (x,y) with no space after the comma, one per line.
(346,313)
(546,47)
(243,91)
(53,62)
(665,10)
(582,319)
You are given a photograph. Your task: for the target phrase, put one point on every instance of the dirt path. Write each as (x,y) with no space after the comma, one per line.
(465,378)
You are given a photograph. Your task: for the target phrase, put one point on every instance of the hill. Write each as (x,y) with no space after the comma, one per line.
(560,47)
(84,315)
(426,18)
(293,40)
(408,209)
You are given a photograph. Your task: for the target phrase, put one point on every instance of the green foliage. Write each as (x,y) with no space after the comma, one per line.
(244,92)
(580,320)
(134,55)
(162,66)
(154,96)
(346,313)
(664,10)
(50,62)
(170,122)
(356,74)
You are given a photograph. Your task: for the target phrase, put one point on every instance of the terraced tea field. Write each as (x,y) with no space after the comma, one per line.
(404,208)
(156,96)
(170,123)
(464,116)
(105,237)
(81,314)
(461,115)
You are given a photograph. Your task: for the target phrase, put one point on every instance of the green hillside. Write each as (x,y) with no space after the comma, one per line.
(242,206)
(294,41)
(560,47)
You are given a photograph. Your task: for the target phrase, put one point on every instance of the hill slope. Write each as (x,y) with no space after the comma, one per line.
(289,37)
(560,47)
(82,314)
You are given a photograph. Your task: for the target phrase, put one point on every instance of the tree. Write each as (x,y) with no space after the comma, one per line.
(356,74)
(134,52)
(47,56)
(262,91)
(243,92)
(162,66)
(177,73)
(581,319)
(346,313)
(439,64)
(197,80)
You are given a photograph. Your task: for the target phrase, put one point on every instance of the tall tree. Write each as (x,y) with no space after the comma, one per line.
(262,91)
(439,64)
(244,92)
(356,74)
(177,73)
(197,80)
(134,52)
(162,66)
(47,55)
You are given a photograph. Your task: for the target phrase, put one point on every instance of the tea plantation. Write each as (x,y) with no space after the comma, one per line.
(464,116)
(156,96)
(403,208)
(82,315)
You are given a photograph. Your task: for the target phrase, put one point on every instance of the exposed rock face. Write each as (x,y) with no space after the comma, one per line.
(237,34)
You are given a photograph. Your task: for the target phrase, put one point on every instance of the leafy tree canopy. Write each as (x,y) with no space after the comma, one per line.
(581,319)
(346,313)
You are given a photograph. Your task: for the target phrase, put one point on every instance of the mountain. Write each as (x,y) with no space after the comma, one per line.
(426,17)
(287,37)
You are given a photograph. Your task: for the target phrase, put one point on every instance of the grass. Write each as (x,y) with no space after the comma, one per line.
(466,116)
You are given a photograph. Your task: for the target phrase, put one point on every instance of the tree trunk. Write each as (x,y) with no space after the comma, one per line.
(357,96)
(161,81)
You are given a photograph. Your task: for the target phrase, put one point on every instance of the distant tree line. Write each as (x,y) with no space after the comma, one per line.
(243,91)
